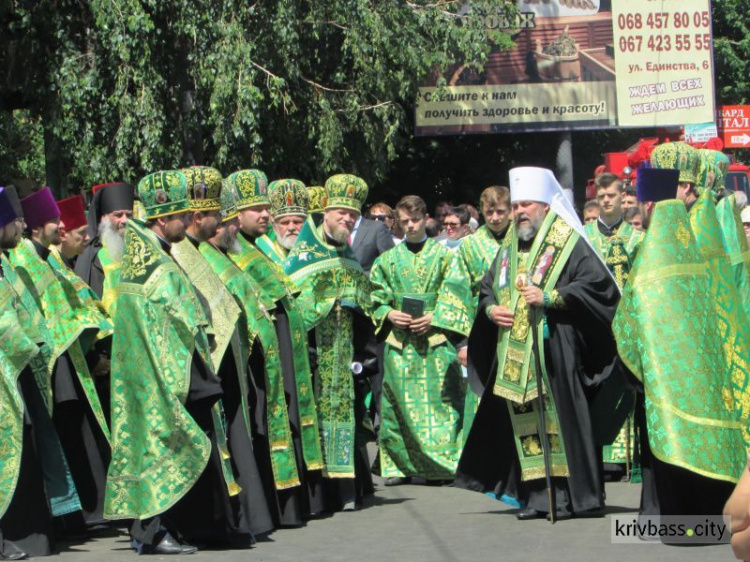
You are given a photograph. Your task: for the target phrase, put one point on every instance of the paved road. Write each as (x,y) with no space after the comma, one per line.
(420,523)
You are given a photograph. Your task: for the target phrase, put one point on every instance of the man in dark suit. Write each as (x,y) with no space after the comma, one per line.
(369,239)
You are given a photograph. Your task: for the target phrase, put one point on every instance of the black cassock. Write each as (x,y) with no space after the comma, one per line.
(89,268)
(580,354)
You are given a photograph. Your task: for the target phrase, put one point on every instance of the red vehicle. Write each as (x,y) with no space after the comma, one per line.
(738,178)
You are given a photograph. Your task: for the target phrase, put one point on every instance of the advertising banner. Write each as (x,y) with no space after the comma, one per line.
(734,125)
(581,65)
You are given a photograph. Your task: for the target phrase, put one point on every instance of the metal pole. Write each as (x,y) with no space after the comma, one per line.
(564,162)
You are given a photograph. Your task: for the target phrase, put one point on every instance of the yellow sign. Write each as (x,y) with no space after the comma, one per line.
(664,62)
(572,103)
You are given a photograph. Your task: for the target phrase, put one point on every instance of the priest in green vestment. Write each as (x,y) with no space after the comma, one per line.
(685,158)
(616,242)
(273,443)
(170,470)
(423,389)
(545,308)
(289,200)
(459,294)
(99,265)
(250,187)
(74,327)
(669,336)
(334,297)
(229,353)
(27,505)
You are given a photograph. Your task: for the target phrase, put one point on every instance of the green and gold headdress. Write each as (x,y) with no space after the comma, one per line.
(713,166)
(288,197)
(679,156)
(318,198)
(251,186)
(163,193)
(204,188)
(346,191)
(229,198)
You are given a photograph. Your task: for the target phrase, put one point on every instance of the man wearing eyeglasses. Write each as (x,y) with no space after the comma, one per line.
(456,227)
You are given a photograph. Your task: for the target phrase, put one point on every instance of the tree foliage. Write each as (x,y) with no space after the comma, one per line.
(301,88)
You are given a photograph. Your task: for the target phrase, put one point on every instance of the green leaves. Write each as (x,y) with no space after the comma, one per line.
(301,88)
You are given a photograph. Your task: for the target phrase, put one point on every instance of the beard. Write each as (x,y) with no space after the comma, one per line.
(112,238)
(229,242)
(340,234)
(527,232)
(287,241)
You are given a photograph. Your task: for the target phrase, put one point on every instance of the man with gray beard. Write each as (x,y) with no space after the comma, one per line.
(289,205)
(98,265)
(547,296)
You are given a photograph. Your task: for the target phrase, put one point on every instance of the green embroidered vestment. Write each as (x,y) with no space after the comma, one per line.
(277,290)
(668,335)
(733,323)
(423,389)
(541,266)
(72,325)
(158,450)
(736,247)
(618,252)
(271,248)
(16,351)
(111,268)
(256,322)
(459,296)
(332,283)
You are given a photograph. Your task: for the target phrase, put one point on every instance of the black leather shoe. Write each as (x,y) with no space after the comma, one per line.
(560,517)
(529,513)
(397,481)
(12,552)
(169,545)
(350,506)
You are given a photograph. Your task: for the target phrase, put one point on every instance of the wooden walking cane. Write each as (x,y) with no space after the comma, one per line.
(536,319)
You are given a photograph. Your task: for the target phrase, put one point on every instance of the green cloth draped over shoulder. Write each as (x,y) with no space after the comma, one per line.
(73,327)
(668,335)
(278,290)
(111,268)
(459,292)
(87,297)
(16,351)
(736,247)
(459,297)
(332,283)
(267,273)
(423,389)
(733,324)
(31,318)
(618,251)
(58,482)
(271,248)
(158,450)
(516,379)
(254,320)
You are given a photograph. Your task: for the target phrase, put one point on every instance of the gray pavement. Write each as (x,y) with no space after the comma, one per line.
(416,523)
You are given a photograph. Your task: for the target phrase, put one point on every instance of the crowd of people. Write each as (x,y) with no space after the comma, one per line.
(204,359)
